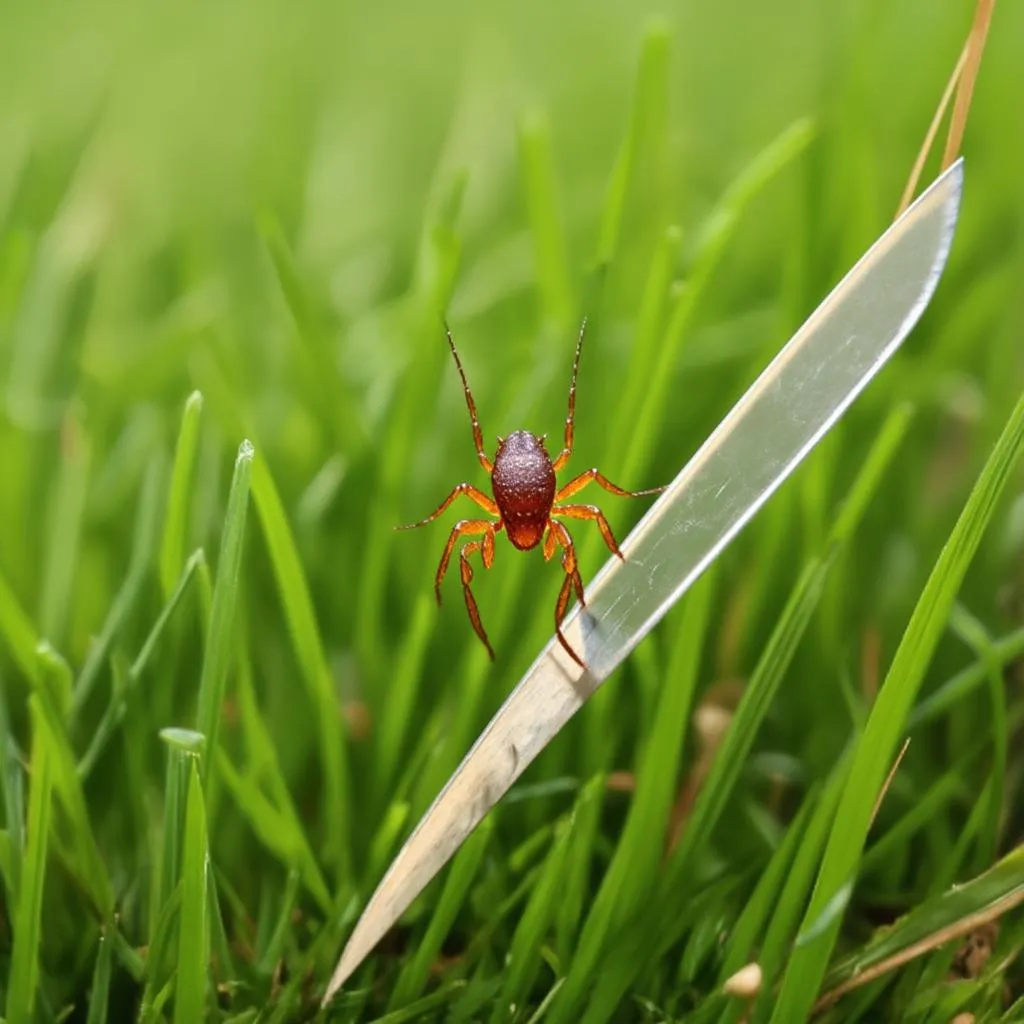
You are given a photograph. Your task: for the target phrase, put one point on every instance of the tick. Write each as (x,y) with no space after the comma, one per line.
(527,505)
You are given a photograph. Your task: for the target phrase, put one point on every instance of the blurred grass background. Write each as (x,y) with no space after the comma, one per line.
(271,205)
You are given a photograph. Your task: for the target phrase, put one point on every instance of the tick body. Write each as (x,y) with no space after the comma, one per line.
(527,504)
(523,483)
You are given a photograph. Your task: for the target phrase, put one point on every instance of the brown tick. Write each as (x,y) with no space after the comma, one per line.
(526,504)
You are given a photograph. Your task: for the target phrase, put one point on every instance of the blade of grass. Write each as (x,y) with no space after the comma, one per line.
(66,512)
(792,900)
(13,782)
(1005,651)
(461,876)
(54,678)
(89,865)
(633,871)
(220,640)
(309,652)
(184,748)
(172,548)
(143,542)
(934,923)
(274,950)
(115,711)
(99,994)
(40,349)
(385,840)
(278,829)
(18,631)
(321,383)
(771,668)
(759,695)
(638,944)
(586,821)
(423,1007)
(546,226)
(741,945)
(652,86)
(524,960)
(977,638)
(395,725)
(886,722)
(194,932)
(23,980)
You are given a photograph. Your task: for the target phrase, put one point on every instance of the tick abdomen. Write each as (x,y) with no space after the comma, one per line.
(523,482)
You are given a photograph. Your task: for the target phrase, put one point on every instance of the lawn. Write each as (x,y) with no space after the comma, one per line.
(229,236)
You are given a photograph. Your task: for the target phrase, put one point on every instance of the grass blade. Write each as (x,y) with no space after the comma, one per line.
(194,933)
(742,943)
(932,924)
(976,636)
(18,631)
(887,720)
(220,639)
(586,821)
(176,521)
(782,928)
(99,994)
(634,868)
(23,980)
(67,508)
(524,960)
(114,713)
(89,865)
(456,888)
(309,652)
(758,697)
(13,782)
(651,88)
(543,209)
(143,540)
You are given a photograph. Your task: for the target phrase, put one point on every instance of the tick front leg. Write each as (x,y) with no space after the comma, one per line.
(464,528)
(593,514)
(470,492)
(486,546)
(572,581)
(563,455)
(581,481)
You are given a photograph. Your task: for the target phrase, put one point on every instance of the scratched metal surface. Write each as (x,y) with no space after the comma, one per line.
(787,410)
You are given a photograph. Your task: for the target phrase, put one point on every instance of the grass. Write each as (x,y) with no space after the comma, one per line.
(243,223)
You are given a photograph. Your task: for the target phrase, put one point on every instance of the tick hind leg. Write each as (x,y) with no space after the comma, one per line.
(466,528)
(571,582)
(486,547)
(593,514)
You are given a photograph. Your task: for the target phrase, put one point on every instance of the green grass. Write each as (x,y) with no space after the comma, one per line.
(226,692)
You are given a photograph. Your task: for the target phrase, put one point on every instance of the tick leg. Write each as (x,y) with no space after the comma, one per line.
(486,546)
(563,455)
(550,543)
(581,481)
(478,437)
(470,492)
(463,528)
(594,514)
(572,581)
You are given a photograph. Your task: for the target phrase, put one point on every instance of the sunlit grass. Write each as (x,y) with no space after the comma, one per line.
(244,224)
